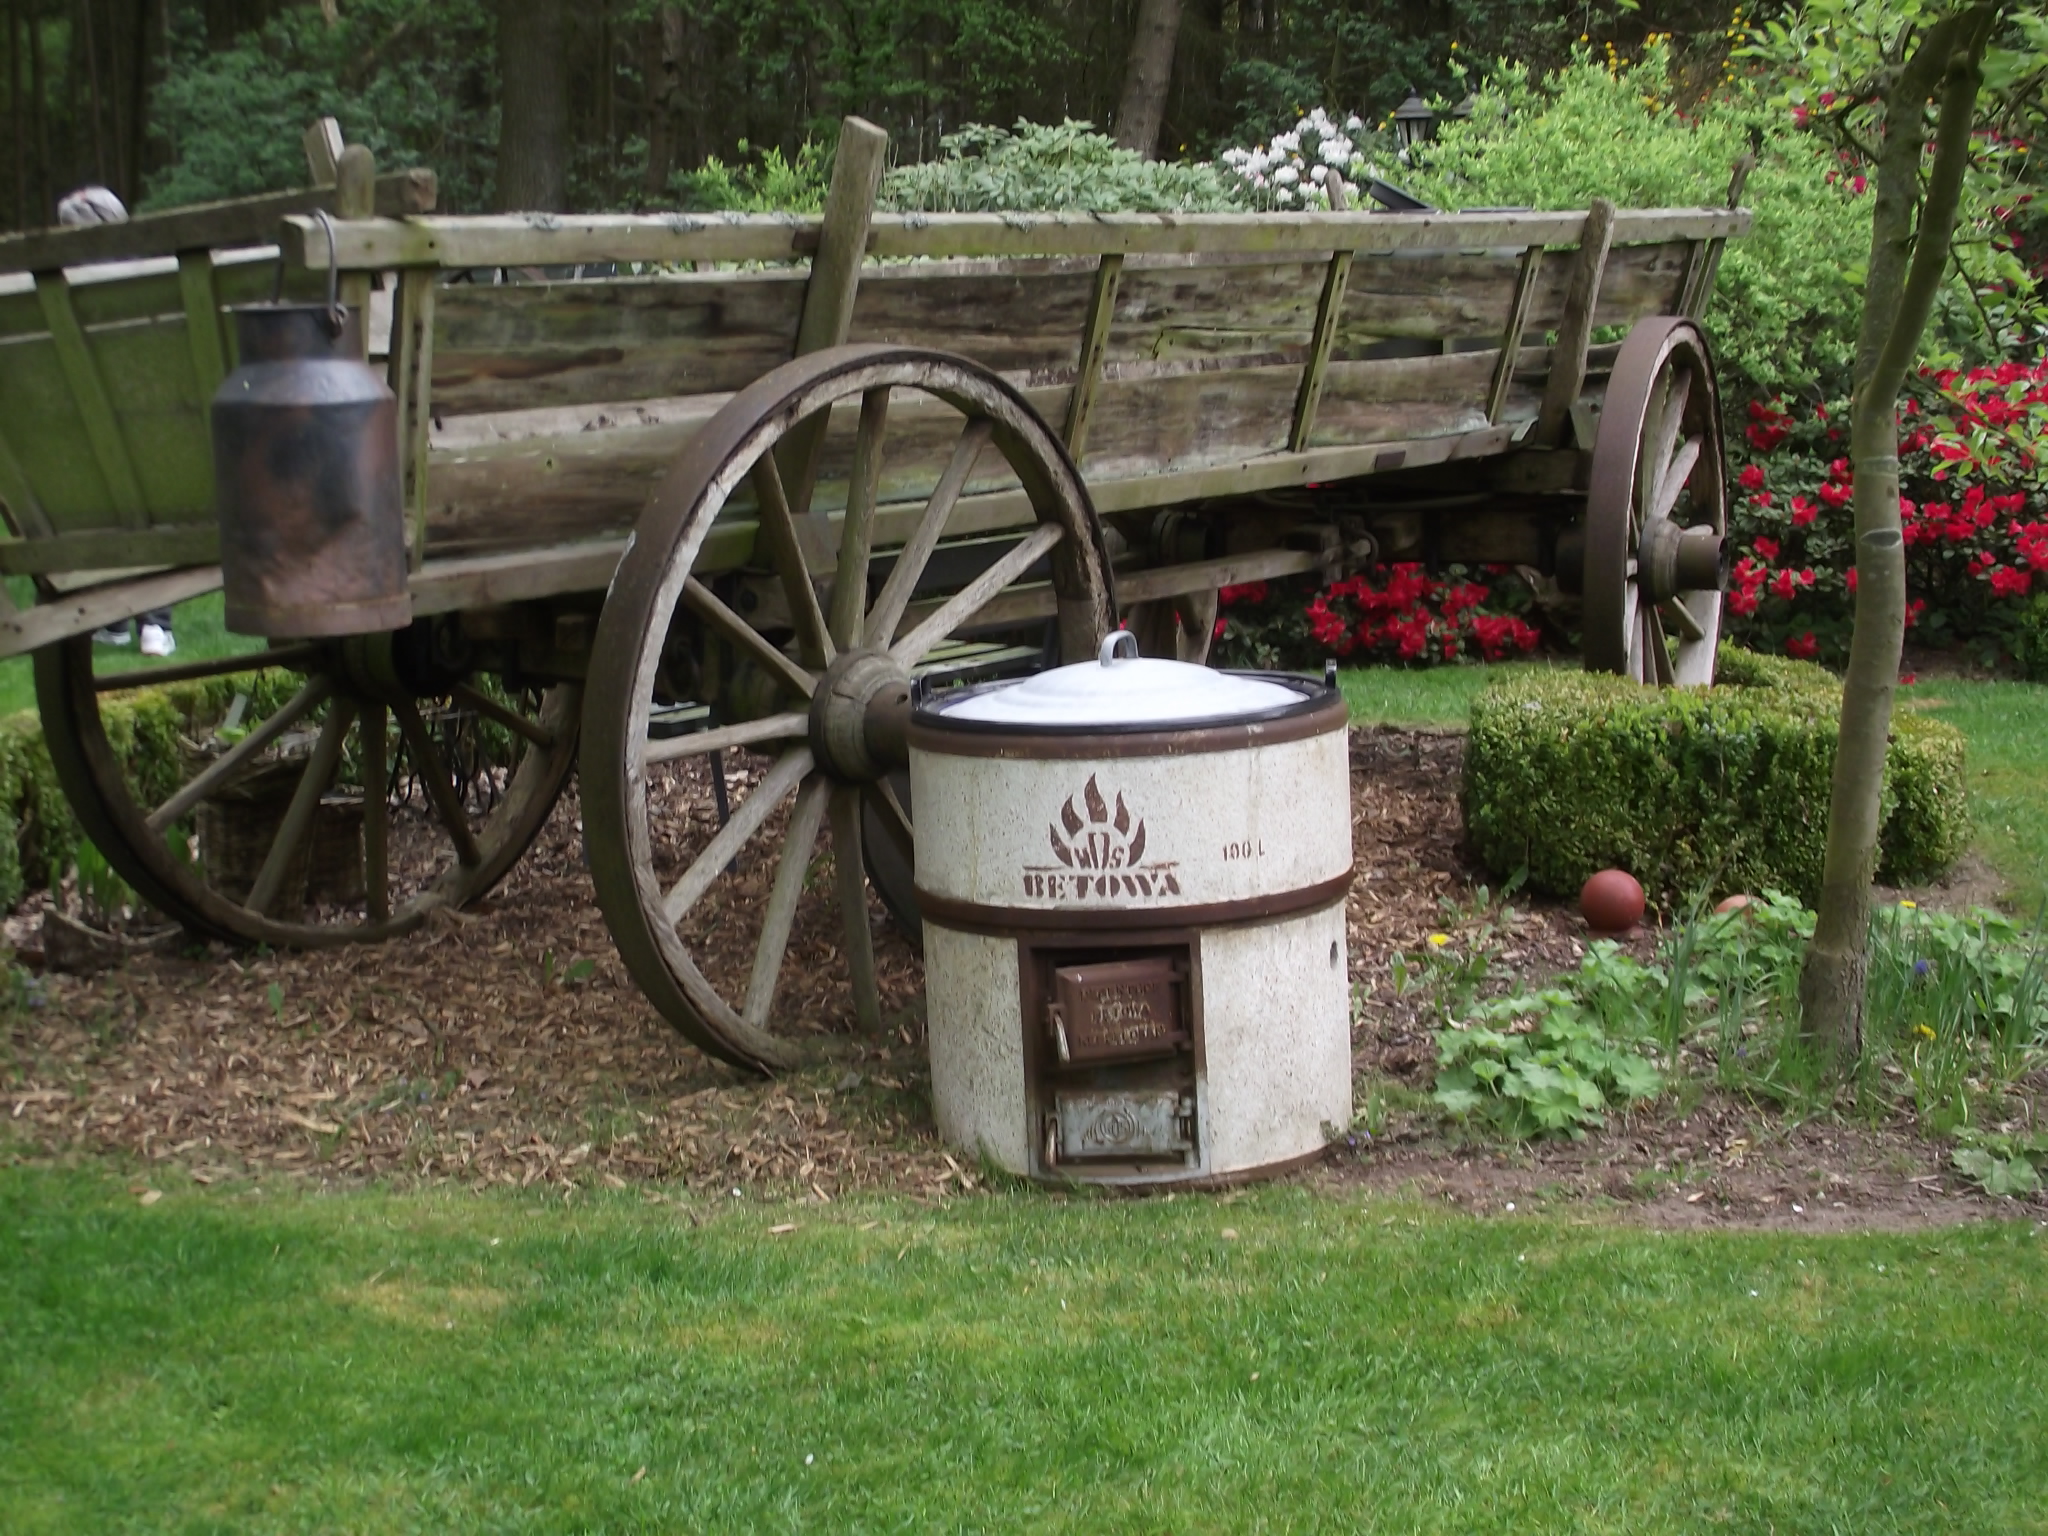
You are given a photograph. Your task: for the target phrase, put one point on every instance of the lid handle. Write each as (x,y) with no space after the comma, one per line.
(1118,644)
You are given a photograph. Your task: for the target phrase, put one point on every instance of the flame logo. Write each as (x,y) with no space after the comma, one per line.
(1106,839)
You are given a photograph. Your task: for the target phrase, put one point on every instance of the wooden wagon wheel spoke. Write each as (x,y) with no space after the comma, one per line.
(708,605)
(1645,578)
(678,934)
(376,813)
(778,527)
(970,599)
(799,842)
(857,531)
(748,733)
(779,784)
(849,878)
(916,553)
(511,719)
(1672,483)
(298,817)
(439,782)
(223,768)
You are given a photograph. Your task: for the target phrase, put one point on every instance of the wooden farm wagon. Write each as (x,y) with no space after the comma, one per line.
(701,495)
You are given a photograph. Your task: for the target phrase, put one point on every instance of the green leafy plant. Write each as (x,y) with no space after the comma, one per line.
(1542,1063)
(2002,1164)
(1055,168)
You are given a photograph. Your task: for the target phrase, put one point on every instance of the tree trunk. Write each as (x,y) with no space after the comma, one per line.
(1147,76)
(1906,269)
(664,75)
(533,113)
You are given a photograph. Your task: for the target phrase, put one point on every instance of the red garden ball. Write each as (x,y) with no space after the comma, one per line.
(1612,901)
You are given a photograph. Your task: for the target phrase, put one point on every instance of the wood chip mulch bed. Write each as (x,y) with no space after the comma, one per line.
(506,1046)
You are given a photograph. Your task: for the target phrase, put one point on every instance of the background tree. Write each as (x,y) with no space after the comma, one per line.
(1916,55)
(1148,75)
(533,107)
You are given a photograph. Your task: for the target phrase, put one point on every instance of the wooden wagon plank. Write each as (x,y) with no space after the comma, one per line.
(546,239)
(89,399)
(418,293)
(1310,393)
(108,549)
(80,612)
(239,221)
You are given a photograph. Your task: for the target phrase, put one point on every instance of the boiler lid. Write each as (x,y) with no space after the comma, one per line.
(1122,689)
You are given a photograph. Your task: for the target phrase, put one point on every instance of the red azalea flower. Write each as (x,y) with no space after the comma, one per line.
(1805,647)
(1244,592)
(1742,601)
(1913,611)
(1837,495)
(1767,548)
(1841,470)
(1803,512)
(1751,478)
(1850,578)
(2007,582)
(1783,586)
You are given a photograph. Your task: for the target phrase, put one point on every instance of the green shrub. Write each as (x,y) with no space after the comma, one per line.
(1063,168)
(1723,789)
(2030,640)
(147,729)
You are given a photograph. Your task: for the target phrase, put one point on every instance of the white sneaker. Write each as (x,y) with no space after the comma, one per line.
(157,641)
(113,634)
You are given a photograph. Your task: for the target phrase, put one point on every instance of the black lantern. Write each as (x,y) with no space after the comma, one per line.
(1414,123)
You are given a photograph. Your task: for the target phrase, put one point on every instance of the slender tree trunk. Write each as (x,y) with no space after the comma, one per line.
(664,76)
(1906,269)
(46,203)
(18,119)
(1148,75)
(533,112)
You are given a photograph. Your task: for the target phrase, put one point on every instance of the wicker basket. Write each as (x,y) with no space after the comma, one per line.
(238,824)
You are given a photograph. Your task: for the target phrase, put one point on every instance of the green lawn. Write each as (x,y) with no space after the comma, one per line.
(2007,728)
(382,1362)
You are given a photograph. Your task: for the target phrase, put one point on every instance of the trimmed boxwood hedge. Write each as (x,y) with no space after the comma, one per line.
(1720,789)
(148,728)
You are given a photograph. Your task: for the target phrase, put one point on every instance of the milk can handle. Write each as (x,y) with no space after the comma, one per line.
(337,317)
(1118,644)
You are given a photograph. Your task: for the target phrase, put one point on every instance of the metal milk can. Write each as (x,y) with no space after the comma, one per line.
(305,455)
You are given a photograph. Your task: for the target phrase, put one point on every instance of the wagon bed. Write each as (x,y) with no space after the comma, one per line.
(1197,400)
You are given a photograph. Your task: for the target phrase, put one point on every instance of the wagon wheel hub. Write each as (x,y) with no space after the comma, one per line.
(1671,560)
(859,715)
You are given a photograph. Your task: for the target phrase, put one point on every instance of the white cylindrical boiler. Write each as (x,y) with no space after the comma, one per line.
(1132,875)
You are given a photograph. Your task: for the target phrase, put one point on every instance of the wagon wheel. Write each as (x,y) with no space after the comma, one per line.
(669,879)
(439,828)
(1657,513)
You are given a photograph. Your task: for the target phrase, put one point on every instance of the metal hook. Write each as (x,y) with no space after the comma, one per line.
(337,317)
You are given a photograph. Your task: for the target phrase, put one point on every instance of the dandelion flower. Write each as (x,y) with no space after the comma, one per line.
(1910,905)
(1439,940)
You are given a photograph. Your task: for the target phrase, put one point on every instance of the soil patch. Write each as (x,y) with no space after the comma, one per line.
(508,1046)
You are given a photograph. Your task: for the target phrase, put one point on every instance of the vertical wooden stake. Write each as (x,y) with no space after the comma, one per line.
(1511,334)
(412,348)
(1329,309)
(834,282)
(1094,347)
(1705,260)
(1575,330)
(323,151)
(355,197)
(202,321)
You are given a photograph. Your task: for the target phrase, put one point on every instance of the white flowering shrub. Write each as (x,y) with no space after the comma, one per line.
(1292,170)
